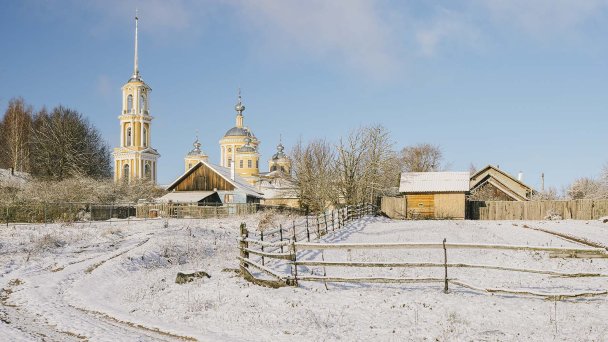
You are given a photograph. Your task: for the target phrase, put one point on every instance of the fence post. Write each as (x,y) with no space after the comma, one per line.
(281,235)
(294,258)
(318,227)
(325,219)
(243,244)
(7,216)
(262,246)
(307,231)
(44,208)
(445,266)
(333,227)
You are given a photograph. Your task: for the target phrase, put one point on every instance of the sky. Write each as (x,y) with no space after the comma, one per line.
(516,83)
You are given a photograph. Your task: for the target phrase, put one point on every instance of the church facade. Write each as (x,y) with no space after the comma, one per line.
(135,159)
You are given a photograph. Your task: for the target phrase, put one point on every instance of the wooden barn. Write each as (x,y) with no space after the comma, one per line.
(208,184)
(440,195)
(493,184)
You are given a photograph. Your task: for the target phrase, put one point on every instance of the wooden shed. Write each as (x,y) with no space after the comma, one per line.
(440,195)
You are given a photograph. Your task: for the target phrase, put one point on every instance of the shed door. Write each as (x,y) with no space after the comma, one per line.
(420,206)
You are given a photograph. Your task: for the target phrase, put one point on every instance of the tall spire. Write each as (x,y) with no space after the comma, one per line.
(239,109)
(135,66)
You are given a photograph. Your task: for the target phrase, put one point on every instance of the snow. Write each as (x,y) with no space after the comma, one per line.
(115,281)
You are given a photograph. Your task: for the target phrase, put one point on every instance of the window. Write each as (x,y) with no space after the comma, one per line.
(241,163)
(145,137)
(229,162)
(257,164)
(125,172)
(147,172)
(228,198)
(129,136)
(249,163)
(189,166)
(142,104)
(129,103)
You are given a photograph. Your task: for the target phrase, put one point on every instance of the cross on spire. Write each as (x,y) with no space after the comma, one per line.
(135,62)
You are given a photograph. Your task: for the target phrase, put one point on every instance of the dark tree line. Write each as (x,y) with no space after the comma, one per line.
(55,144)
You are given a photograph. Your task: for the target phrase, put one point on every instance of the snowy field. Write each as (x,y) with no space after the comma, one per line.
(115,281)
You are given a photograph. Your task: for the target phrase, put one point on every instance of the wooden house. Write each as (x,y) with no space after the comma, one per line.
(434,194)
(208,184)
(493,184)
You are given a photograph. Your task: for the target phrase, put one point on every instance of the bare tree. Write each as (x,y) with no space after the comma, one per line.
(65,144)
(422,158)
(584,188)
(367,165)
(15,130)
(313,172)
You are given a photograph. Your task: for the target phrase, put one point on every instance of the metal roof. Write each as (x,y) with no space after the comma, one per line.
(186,196)
(412,182)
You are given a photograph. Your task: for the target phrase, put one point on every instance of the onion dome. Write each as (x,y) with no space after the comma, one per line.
(280,154)
(196,151)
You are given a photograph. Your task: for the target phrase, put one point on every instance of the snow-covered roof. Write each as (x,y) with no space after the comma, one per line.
(412,182)
(186,196)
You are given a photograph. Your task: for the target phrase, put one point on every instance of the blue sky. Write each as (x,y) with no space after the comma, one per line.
(522,84)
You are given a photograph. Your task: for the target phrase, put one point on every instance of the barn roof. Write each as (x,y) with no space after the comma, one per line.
(494,168)
(413,182)
(224,172)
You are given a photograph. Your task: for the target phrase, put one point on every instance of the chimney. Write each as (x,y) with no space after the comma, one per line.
(520,176)
(232,169)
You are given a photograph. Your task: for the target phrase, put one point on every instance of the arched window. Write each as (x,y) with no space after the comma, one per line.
(145,137)
(273,168)
(129,136)
(142,104)
(129,103)
(147,172)
(125,172)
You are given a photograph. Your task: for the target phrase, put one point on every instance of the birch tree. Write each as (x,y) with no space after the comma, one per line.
(15,129)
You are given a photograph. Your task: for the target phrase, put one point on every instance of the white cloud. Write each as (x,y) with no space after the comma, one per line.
(445,28)
(347,32)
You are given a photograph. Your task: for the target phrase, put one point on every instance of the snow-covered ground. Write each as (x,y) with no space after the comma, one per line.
(115,281)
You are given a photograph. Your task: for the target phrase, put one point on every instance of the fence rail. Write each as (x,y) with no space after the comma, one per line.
(261,250)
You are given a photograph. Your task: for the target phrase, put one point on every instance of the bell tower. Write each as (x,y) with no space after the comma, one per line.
(135,158)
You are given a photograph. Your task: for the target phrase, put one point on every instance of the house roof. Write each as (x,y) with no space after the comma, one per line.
(413,182)
(186,196)
(224,172)
(501,172)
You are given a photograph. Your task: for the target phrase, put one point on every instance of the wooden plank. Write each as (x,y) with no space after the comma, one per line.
(370,279)
(439,265)
(433,245)
(285,256)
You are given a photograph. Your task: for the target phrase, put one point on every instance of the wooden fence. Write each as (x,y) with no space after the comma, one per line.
(263,250)
(193,210)
(537,210)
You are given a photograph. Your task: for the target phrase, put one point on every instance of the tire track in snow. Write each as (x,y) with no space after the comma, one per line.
(44,306)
